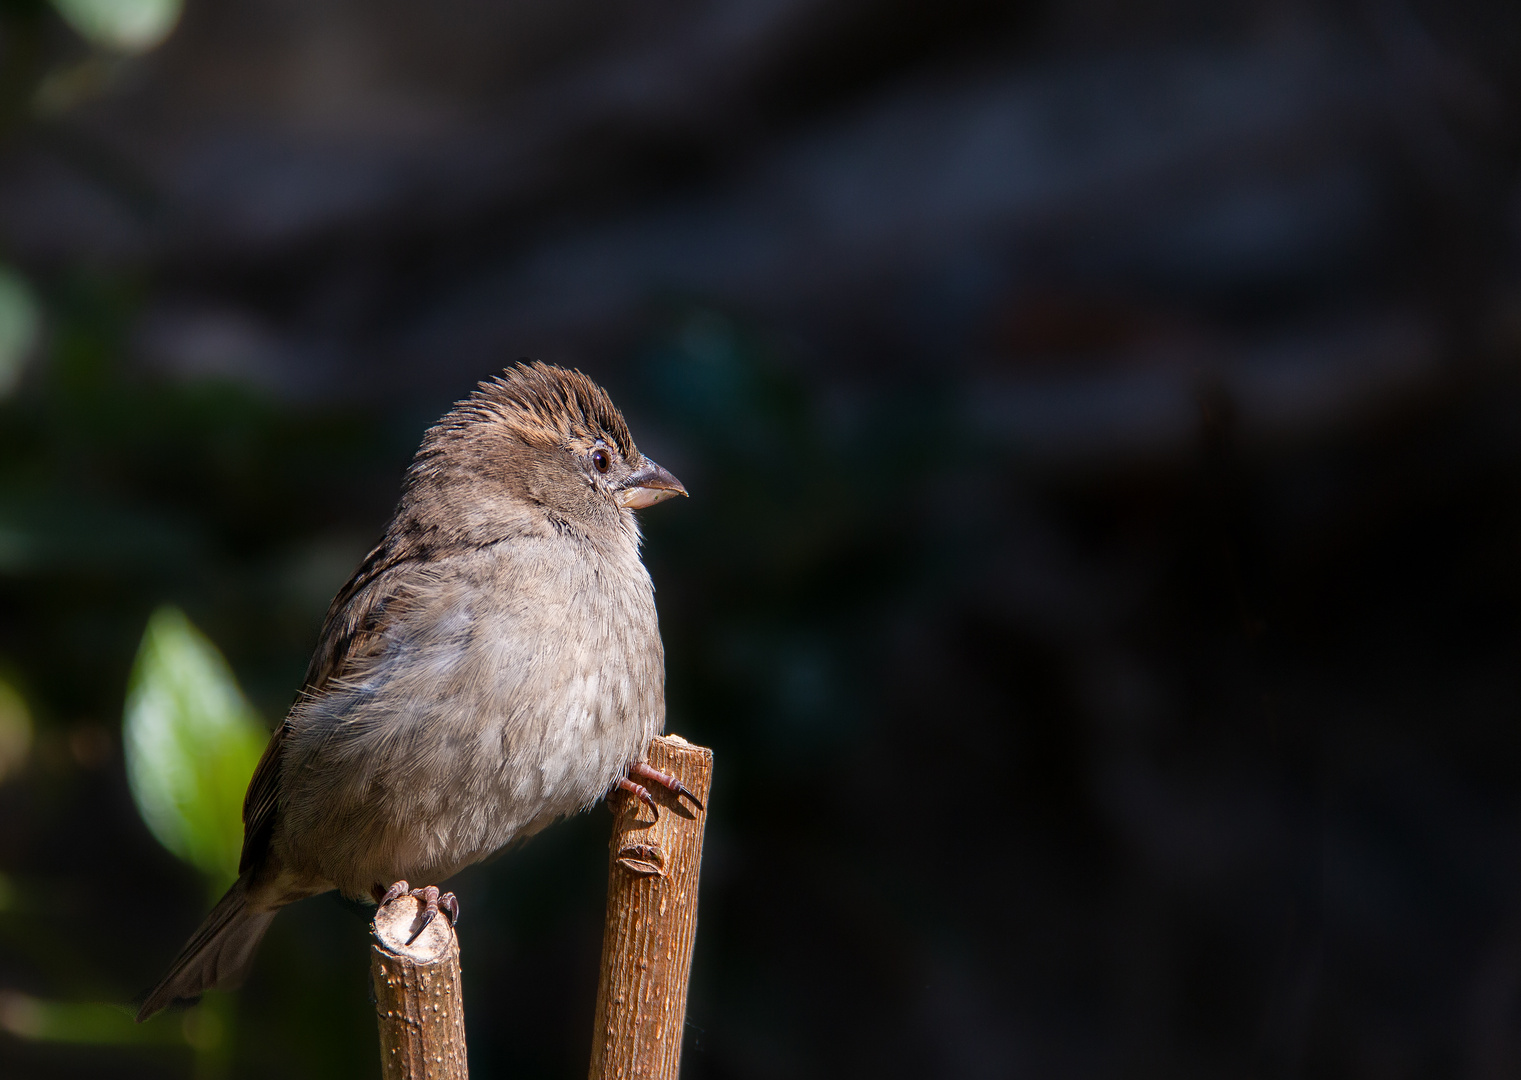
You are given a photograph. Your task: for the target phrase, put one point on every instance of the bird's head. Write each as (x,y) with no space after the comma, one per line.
(537,440)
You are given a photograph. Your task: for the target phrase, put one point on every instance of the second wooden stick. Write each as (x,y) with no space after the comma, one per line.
(651,925)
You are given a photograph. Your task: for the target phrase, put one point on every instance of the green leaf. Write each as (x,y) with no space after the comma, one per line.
(129,26)
(191,741)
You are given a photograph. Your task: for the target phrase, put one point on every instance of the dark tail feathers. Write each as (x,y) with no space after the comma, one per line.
(217,955)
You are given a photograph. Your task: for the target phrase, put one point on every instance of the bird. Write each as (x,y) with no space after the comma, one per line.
(495,664)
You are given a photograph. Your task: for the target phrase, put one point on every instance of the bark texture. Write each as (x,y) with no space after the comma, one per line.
(653,868)
(417,995)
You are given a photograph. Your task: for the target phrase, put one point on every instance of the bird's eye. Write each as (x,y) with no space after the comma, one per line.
(600,460)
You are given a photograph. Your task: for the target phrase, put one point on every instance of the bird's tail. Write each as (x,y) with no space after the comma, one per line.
(217,955)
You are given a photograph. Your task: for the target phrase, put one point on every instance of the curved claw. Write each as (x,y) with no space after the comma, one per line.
(648,772)
(400,888)
(641,793)
(682,791)
(433,902)
(429,896)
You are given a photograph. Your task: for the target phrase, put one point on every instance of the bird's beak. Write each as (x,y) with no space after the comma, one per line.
(648,485)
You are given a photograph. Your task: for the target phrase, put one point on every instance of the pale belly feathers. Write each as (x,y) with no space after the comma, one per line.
(489,711)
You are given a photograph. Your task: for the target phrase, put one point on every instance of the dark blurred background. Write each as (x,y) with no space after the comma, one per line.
(1101,579)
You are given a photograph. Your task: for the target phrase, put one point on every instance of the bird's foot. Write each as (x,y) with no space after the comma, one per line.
(650,774)
(640,792)
(653,775)
(433,902)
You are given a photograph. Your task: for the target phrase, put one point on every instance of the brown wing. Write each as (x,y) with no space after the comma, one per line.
(354,624)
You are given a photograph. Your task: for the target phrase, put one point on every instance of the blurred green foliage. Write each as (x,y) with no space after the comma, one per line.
(128,499)
(191,741)
(15,736)
(19,327)
(123,25)
(88,1022)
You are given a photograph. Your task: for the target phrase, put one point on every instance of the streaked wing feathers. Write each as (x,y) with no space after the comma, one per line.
(355,623)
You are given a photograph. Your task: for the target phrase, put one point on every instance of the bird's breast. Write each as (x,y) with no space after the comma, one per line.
(512,687)
(564,670)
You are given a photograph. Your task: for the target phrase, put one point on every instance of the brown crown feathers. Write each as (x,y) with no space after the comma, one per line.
(530,438)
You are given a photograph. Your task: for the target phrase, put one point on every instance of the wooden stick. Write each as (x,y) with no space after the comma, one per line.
(651,922)
(417,995)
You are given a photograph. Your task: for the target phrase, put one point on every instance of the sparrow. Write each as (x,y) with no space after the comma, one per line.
(495,664)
